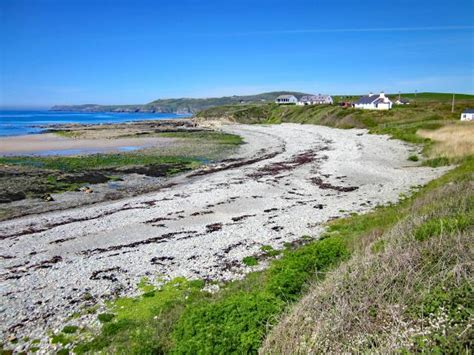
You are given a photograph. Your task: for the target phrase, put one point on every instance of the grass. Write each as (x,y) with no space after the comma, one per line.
(181,317)
(67,133)
(453,140)
(70,329)
(214,136)
(413,157)
(95,161)
(407,287)
(250,261)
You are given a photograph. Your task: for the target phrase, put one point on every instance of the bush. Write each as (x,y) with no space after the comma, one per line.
(231,325)
(289,274)
(250,261)
(437,226)
(105,317)
(70,329)
(269,251)
(437,162)
(413,157)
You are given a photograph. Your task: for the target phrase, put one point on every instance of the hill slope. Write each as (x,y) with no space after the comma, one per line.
(180,105)
(194,105)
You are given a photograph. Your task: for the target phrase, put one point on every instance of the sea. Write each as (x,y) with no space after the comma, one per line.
(16,123)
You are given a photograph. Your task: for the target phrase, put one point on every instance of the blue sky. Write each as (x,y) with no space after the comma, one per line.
(117,52)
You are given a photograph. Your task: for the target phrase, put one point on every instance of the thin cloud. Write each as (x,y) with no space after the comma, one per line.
(343,30)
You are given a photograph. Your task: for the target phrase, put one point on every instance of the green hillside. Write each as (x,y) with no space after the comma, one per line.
(194,105)
(180,105)
(412,97)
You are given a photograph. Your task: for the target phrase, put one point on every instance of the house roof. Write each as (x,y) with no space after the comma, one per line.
(285,97)
(403,100)
(367,99)
(309,98)
(469,110)
(373,99)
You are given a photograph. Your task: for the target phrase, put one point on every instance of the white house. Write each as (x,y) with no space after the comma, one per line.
(286,100)
(402,102)
(468,115)
(374,102)
(316,100)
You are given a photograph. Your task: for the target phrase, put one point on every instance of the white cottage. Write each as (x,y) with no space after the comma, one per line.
(315,100)
(374,102)
(286,100)
(468,115)
(402,102)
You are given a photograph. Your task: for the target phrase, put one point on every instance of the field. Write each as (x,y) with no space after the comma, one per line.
(396,279)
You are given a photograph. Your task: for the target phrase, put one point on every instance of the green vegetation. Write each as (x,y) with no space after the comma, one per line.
(105,317)
(407,287)
(70,329)
(181,316)
(189,105)
(214,136)
(96,161)
(269,251)
(413,157)
(180,105)
(67,133)
(250,261)
(437,162)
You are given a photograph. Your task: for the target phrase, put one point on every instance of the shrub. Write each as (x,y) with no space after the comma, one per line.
(289,274)
(105,317)
(437,162)
(231,325)
(413,157)
(250,261)
(269,251)
(70,329)
(436,226)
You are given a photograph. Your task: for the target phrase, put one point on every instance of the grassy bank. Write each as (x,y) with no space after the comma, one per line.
(375,282)
(407,287)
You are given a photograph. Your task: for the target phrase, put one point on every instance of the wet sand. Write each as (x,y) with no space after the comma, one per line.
(51,144)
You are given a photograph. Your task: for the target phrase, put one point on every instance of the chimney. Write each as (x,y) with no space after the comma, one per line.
(382,95)
(370,94)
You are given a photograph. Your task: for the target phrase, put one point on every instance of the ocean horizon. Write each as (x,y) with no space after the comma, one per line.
(23,122)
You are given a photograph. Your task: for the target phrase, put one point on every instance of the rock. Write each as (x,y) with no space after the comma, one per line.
(10,196)
(92,177)
(86,189)
(47,197)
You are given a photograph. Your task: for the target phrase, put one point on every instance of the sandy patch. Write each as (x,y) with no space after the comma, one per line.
(49,142)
